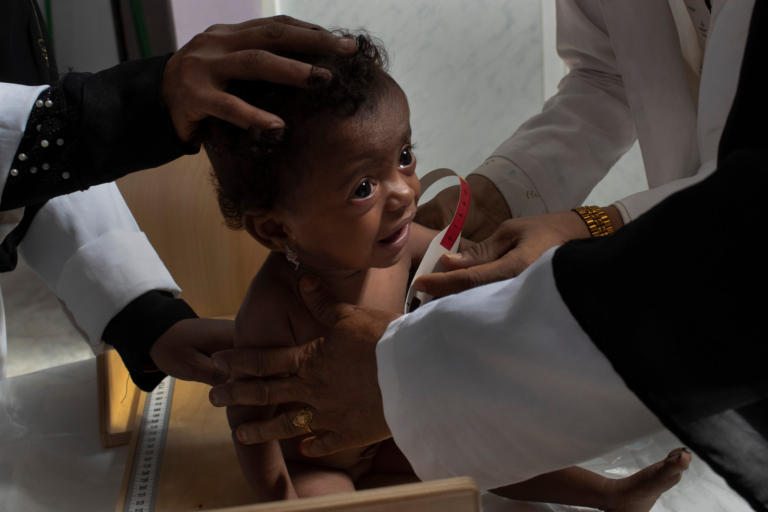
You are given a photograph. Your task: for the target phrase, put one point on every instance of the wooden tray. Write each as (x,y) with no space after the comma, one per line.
(200,471)
(118,397)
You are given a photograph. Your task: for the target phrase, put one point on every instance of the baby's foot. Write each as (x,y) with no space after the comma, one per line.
(638,493)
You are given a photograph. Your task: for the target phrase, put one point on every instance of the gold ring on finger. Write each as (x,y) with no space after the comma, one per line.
(303,419)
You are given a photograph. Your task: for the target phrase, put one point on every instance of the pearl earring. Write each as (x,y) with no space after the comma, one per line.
(291,256)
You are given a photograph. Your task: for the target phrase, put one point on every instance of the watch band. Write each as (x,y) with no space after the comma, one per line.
(596,219)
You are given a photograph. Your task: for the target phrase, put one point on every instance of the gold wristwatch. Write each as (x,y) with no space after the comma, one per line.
(596,219)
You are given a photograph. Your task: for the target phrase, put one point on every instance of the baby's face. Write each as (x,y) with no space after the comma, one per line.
(354,207)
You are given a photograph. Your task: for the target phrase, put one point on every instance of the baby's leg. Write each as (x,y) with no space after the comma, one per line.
(390,467)
(310,480)
(579,487)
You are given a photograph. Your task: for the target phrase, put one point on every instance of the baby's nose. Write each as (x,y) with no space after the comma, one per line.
(401,195)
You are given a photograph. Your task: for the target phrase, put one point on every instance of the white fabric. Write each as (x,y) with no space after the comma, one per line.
(3,339)
(628,79)
(50,448)
(90,251)
(501,383)
(521,195)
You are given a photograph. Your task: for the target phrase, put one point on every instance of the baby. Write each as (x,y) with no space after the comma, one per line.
(334,194)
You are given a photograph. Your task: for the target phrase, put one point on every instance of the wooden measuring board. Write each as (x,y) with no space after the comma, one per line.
(199,469)
(118,397)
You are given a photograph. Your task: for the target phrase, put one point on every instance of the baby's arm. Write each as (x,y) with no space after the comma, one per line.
(262,322)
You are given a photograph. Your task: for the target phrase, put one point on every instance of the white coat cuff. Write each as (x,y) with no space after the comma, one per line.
(16,103)
(625,218)
(518,190)
(633,206)
(105,275)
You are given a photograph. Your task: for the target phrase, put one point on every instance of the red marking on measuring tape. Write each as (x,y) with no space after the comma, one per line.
(454,230)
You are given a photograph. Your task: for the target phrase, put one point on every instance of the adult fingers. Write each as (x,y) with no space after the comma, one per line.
(286,37)
(456,281)
(259,362)
(234,27)
(203,371)
(262,65)
(258,392)
(320,302)
(278,427)
(487,251)
(238,112)
(322,444)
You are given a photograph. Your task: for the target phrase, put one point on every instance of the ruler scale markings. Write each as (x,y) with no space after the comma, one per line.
(148,458)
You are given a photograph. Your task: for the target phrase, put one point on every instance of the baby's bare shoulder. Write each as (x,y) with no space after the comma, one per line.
(269,308)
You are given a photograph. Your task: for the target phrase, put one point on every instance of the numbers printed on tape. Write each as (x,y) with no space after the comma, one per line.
(148,458)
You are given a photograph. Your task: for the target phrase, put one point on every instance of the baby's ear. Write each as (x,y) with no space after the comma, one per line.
(267,228)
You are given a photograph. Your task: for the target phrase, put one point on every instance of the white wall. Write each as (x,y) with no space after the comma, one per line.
(472,70)
(190,17)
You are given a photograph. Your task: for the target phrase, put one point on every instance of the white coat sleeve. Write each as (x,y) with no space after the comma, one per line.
(585,128)
(92,254)
(500,383)
(719,81)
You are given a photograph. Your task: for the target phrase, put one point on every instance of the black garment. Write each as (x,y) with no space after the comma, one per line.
(111,123)
(689,336)
(135,329)
(26,58)
(26,55)
(116,124)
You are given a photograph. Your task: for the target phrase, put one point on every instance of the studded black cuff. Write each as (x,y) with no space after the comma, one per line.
(40,167)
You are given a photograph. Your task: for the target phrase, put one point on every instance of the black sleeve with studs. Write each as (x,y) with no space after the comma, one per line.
(92,129)
(40,168)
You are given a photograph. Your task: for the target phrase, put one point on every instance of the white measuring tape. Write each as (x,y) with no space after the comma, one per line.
(148,457)
(446,241)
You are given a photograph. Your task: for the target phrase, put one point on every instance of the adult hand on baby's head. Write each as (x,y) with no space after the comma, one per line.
(335,376)
(195,78)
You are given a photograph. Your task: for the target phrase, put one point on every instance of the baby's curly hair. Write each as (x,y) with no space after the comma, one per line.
(249,167)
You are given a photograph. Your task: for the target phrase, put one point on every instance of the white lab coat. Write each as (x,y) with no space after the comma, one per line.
(629,79)
(501,383)
(86,245)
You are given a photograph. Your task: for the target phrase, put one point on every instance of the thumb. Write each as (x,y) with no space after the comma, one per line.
(206,372)
(441,284)
(487,251)
(320,302)
(323,444)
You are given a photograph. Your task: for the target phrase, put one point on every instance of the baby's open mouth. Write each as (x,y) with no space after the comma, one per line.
(394,237)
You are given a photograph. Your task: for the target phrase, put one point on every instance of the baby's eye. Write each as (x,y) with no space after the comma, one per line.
(364,190)
(406,158)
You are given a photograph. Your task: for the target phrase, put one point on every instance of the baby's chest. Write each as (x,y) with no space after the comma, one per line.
(384,290)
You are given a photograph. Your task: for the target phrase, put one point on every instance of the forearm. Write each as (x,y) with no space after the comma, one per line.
(98,127)
(136,328)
